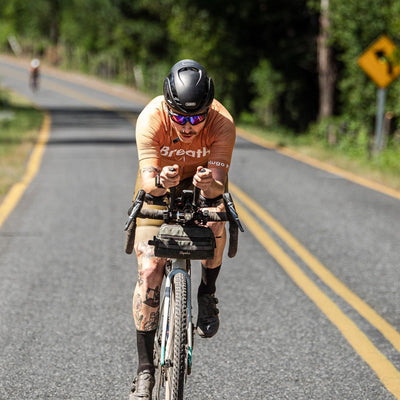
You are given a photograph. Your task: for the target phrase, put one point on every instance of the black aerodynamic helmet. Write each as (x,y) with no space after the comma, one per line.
(187,88)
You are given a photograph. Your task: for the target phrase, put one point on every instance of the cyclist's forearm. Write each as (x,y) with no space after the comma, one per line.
(211,185)
(148,181)
(150,188)
(215,189)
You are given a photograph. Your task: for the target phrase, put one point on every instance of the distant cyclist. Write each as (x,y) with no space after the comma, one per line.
(34,74)
(184,138)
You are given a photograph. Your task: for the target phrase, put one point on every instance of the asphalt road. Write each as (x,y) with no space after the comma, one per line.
(309,306)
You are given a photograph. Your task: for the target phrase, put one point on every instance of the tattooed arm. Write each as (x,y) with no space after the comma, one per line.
(168,177)
(148,175)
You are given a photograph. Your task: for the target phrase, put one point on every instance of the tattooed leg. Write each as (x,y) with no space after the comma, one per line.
(146,299)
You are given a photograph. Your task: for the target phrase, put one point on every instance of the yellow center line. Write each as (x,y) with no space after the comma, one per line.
(383,368)
(322,272)
(17,190)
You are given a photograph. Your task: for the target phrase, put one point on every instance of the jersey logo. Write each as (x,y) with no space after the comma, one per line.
(218,164)
(199,153)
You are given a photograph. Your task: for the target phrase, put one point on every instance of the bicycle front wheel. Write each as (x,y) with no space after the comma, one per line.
(170,378)
(176,373)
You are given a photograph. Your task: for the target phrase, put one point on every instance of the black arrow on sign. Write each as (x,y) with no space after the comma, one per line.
(380,54)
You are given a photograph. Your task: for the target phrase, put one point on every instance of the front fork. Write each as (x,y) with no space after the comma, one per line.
(179,266)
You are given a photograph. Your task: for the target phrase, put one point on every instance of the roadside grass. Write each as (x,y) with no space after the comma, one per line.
(19,128)
(383,168)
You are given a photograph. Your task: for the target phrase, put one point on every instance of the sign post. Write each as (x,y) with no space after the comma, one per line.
(380,110)
(379,64)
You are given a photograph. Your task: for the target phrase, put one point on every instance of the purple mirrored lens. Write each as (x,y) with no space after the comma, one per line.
(196,119)
(182,119)
(179,119)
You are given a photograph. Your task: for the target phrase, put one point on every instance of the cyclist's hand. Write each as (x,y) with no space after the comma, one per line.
(169,176)
(203,178)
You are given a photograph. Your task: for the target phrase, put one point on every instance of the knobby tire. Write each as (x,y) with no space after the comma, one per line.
(177,376)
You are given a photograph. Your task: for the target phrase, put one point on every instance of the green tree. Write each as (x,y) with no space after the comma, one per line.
(231,40)
(262,54)
(350,38)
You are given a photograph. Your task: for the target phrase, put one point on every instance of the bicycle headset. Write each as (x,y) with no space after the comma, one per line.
(187,88)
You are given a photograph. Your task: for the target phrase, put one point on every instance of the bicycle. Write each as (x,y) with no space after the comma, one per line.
(182,237)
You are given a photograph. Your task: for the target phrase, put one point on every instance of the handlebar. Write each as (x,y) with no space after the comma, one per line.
(163,215)
(184,210)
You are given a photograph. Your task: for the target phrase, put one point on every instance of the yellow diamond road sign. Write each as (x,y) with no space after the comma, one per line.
(378,62)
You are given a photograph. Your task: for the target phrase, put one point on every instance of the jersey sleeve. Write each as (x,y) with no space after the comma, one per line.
(223,135)
(149,130)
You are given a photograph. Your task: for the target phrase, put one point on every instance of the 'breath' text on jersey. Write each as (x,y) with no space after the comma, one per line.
(199,153)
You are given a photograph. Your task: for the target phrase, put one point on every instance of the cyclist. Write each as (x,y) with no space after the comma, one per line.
(34,74)
(184,138)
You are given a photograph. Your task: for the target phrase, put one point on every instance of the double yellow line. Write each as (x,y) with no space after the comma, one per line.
(383,368)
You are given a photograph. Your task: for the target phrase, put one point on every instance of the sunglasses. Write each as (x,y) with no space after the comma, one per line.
(182,119)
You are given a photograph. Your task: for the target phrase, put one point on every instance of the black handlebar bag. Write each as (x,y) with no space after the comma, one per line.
(193,242)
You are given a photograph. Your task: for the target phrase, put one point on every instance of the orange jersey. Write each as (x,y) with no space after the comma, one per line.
(212,147)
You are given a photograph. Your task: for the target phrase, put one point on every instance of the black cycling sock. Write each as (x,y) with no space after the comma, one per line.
(145,345)
(209,277)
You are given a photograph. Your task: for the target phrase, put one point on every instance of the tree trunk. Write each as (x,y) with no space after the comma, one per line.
(54,32)
(326,73)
